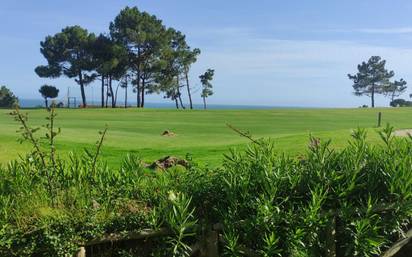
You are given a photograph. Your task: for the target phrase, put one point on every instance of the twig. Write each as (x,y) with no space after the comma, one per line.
(52,135)
(99,146)
(243,134)
(28,134)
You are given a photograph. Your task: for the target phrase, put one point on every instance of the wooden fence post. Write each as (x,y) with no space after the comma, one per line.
(379,119)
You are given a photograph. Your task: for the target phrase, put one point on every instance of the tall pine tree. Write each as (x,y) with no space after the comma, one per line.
(372,78)
(69,53)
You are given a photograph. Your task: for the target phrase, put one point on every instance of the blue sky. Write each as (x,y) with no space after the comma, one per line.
(282,53)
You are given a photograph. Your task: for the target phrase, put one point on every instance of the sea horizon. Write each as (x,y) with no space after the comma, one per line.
(39,103)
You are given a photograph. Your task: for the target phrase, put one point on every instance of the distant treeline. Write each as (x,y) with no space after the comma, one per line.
(139,52)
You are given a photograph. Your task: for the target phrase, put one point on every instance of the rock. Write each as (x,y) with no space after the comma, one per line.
(168,133)
(167,162)
(403,132)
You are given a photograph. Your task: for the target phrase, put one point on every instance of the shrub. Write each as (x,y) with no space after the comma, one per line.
(354,202)
(274,202)
(7,98)
(400,103)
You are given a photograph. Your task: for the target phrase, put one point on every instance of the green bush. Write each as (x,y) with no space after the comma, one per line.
(400,103)
(355,201)
(291,205)
(7,98)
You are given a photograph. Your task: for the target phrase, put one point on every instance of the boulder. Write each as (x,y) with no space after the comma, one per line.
(168,162)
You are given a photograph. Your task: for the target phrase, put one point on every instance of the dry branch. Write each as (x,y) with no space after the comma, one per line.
(242,133)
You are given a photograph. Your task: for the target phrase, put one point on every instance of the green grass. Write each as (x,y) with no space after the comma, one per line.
(202,133)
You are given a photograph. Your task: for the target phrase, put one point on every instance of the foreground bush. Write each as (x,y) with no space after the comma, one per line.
(352,202)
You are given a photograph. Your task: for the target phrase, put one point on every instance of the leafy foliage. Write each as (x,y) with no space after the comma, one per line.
(7,98)
(395,88)
(68,53)
(206,79)
(139,46)
(143,35)
(111,60)
(360,198)
(400,103)
(372,78)
(47,91)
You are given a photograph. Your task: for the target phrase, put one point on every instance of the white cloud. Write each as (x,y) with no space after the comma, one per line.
(291,72)
(402,30)
(251,54)
(388,31)
(252,69)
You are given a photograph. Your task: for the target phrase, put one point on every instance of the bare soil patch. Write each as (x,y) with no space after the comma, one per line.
(403,132)
(168,162)
(168,133)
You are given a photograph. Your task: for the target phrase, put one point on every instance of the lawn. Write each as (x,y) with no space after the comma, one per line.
(203,134)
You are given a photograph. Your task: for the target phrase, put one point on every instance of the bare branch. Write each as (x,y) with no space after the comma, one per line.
(243,134)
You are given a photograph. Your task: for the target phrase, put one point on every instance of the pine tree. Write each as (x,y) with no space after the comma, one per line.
(205,79)
(372,78)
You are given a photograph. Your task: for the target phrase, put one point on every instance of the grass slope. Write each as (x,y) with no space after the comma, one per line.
(202,133)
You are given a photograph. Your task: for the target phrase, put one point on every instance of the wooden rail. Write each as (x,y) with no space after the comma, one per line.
(208,245)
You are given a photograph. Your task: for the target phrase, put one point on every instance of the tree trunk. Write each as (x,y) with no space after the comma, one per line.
(142,91)
(107,92)
(177,103)
(115,95)
(138,90)
(204,103)
(138,79)
(82,89)
(111,92)
(125,95)
(138,96)
(102,91)
(46,102)
(373,96)
(178,92)
(188,89)
(180,100)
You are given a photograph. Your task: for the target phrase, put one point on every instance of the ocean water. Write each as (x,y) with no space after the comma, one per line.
(37,103)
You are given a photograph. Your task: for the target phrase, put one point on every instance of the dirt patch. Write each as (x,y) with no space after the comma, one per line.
(403,132)
(168,133)
(167,162)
